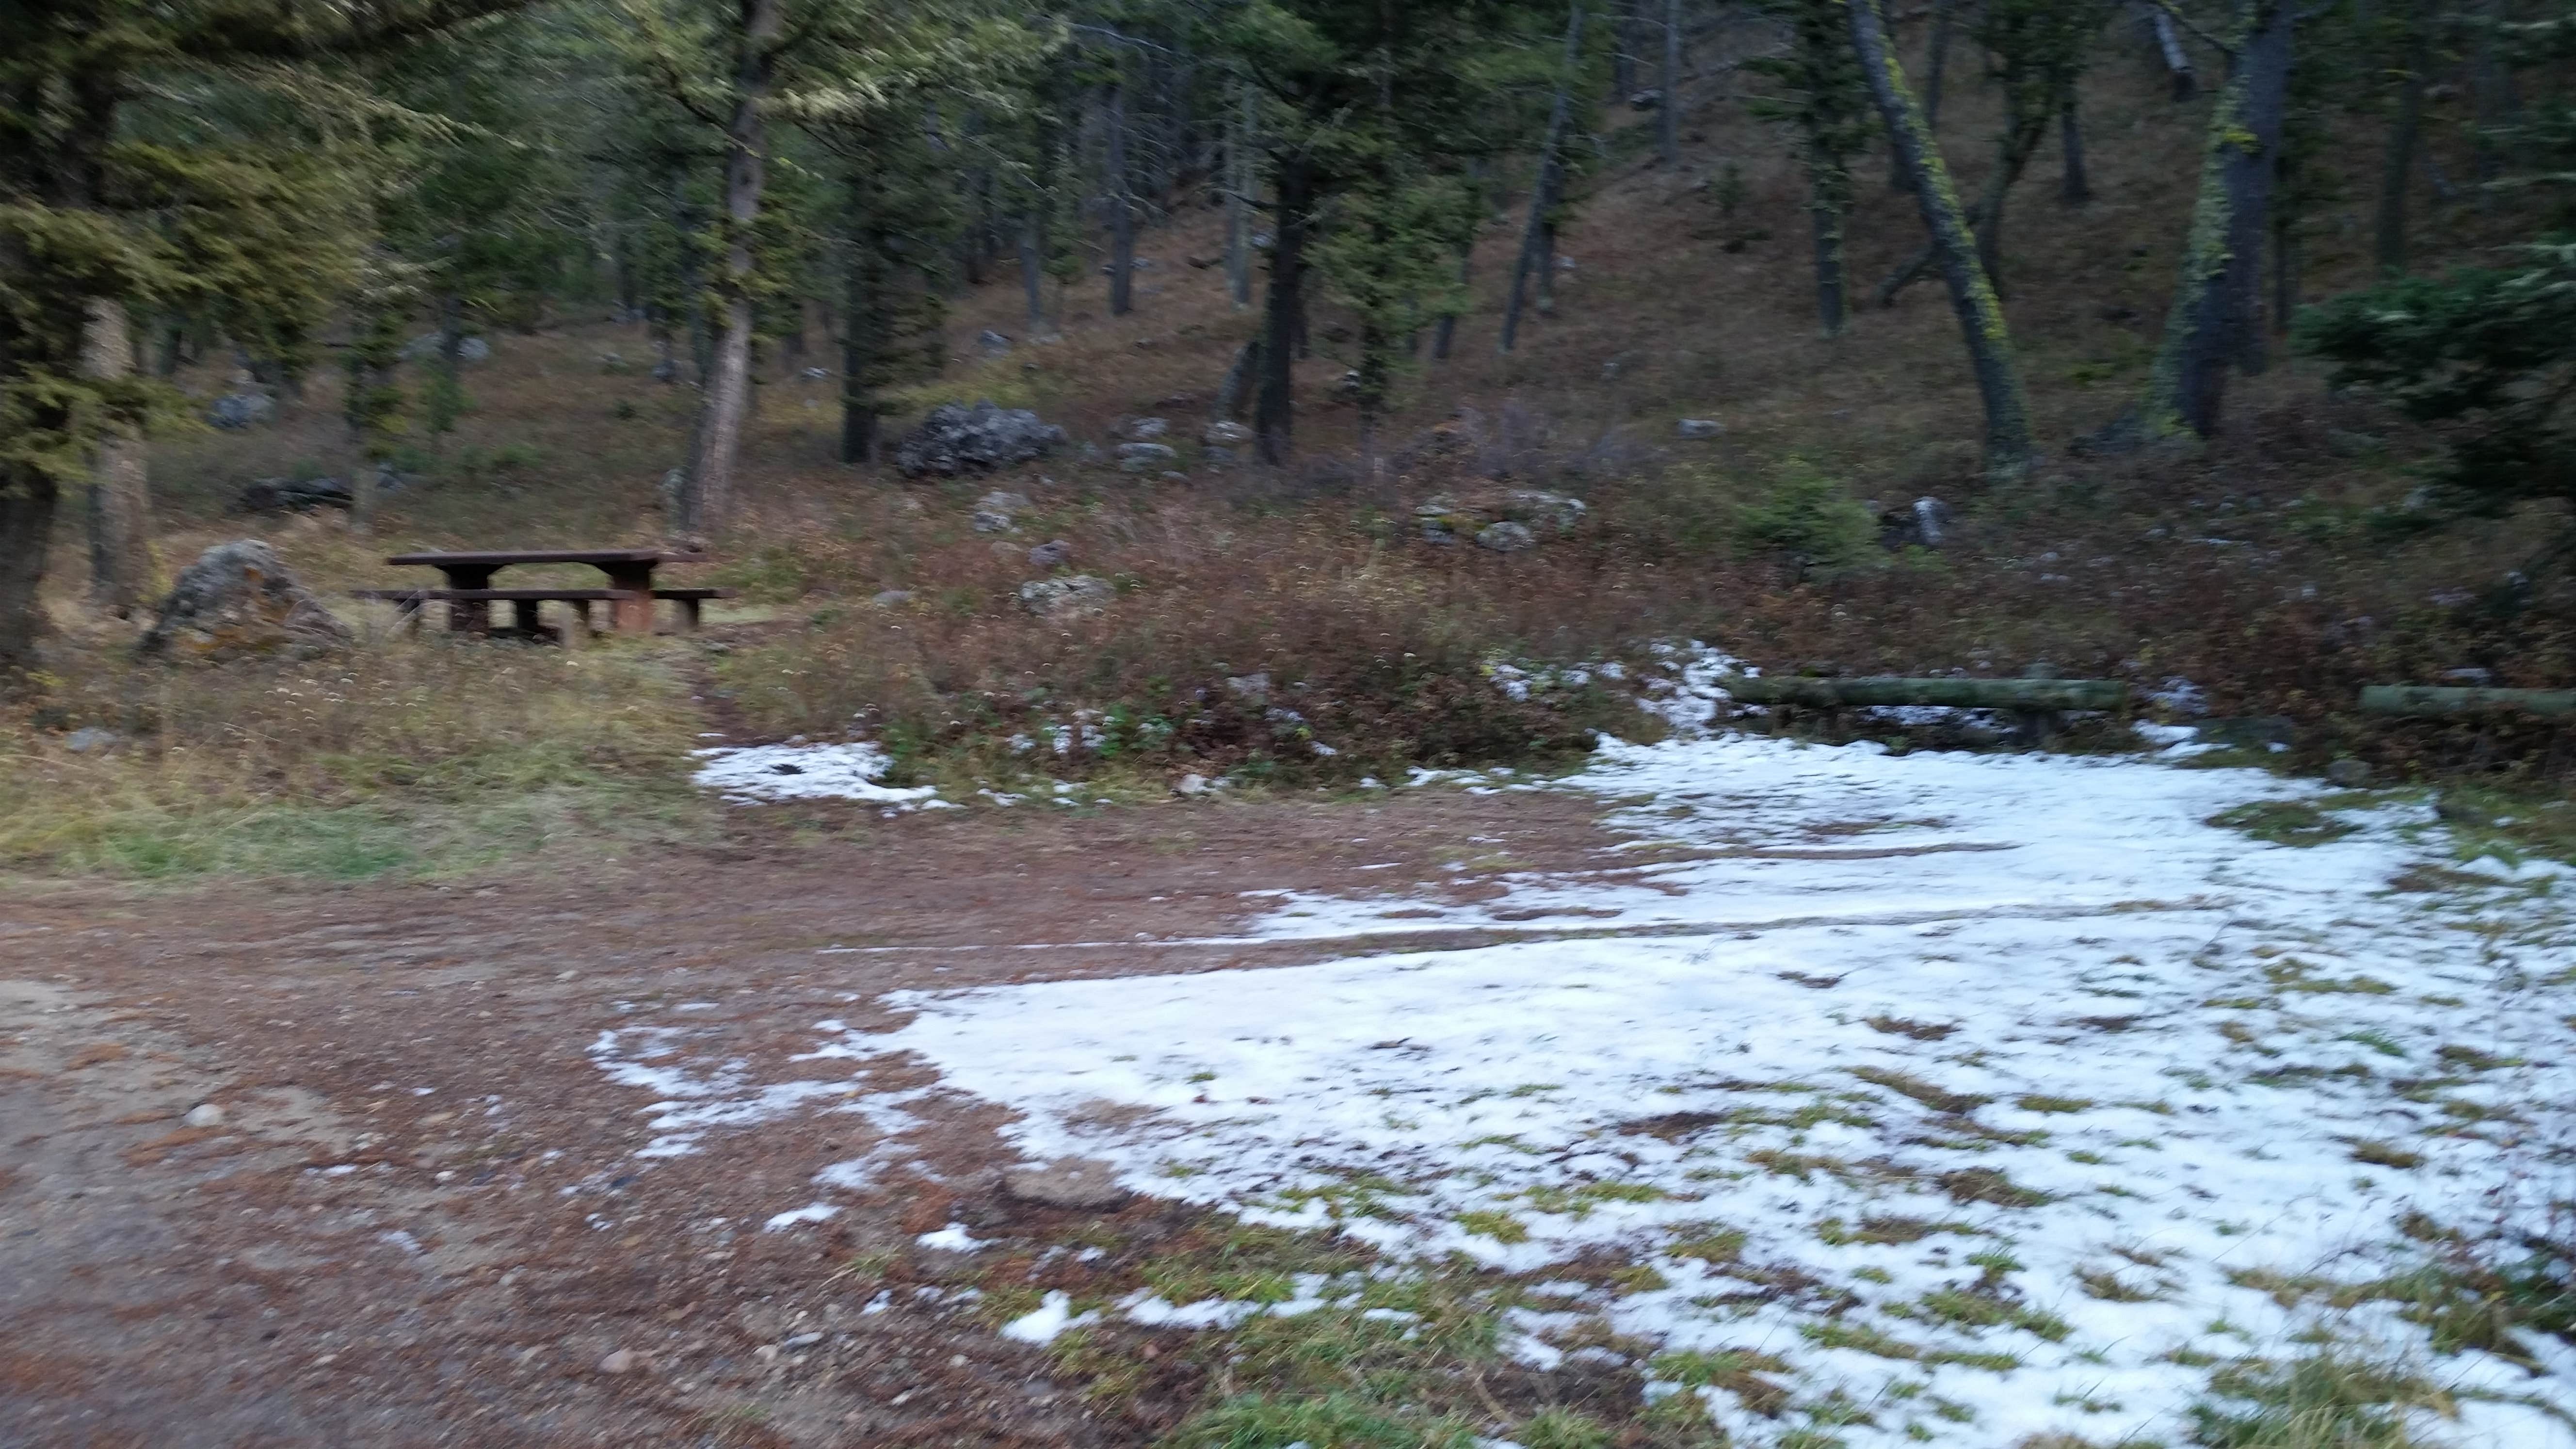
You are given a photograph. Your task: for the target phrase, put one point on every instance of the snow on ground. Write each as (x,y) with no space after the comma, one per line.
(1990,1095)
(800,771)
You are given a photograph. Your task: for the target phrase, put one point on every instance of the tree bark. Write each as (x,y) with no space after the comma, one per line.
(1033,272)
(2396,177)
(1238,198)
(1122,210)
(1828,200)
(27,501)
(707,492)
(2008,443)
(120,505)
(2076,187)
(861,307)
(1538,239)
(1943,12)
(2185,83)
(2216,303)
(1274,408)
(1668,107)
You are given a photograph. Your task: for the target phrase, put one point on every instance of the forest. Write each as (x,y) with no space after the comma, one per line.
(1345,724)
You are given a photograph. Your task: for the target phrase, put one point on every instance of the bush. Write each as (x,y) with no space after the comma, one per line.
(1810,518)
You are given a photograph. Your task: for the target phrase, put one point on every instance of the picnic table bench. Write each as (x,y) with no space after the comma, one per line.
(469,594)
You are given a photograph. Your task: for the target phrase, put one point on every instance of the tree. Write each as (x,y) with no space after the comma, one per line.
(142,170)
(2215,321)
(2009,448)
(1823,97)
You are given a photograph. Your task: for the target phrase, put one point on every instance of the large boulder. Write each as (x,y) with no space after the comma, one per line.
(237,600)
(980,439)
(237,410)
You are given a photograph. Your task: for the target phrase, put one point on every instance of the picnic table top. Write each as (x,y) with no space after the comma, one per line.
(547,556)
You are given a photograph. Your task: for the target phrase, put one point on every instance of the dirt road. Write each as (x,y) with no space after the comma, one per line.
(416,1214)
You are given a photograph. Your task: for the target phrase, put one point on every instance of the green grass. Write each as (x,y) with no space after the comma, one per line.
(2285,822)
(2323,1402)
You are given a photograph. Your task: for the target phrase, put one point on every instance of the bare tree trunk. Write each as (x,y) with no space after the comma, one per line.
(1240,377)
(2285,270)
(2076,188)
(1943,11)
(120,503)
(861,307)
(1447,332)
(2177,61)
(1538,240)
(1623,50)
(27,501)
(1033,272)
(1668,108)
(2216,304)
(2396,177)
(707,492)
(2009,448)
(1238,197)
(1122,209)
(1274,409)
(1828,200)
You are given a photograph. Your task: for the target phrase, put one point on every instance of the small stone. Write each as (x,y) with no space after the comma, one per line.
(204,1114)
(1190,785)
(83,741)
(1081,1183)
(1146,430)
(987,521)
(623,1361)
(892,598)
(992,341)
(1066,597)
(2350,773)
(1506,537)
(802,1340)
(1253,688)
(1224,434)
(1051,554)
(1175,477)
(1699,428)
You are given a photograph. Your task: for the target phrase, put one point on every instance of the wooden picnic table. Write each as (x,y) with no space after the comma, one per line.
(469,594)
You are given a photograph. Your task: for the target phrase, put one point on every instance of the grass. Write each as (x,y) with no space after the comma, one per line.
(2327,1401)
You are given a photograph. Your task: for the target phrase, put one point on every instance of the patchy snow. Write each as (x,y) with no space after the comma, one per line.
(1050,1318)
(1983,1092)
(818,1212)
(760,773)
(953,1238)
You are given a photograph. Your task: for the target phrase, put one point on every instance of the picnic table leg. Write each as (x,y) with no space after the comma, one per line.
(581,613)
(689,615)
(407,616)
(468,616)
(523,617)
(632,610)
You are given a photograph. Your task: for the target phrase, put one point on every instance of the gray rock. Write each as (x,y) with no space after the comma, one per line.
(1645,100)
(1066,598)
(1217,455)
(955,440)
(237,600)
(204,1114)
(295,495)
(1506,537)
(1050,554)
(83,741)
(2348,772)
(892,598)
(1534,506)
(998,512)
(1145,430)
(666,370)
(992,341)
(621,1361)
(237,410)
(1154,453)
(1699,428)
(987,521)
(1193,784)
(1081,1183)
(1253,688)
(1225,434)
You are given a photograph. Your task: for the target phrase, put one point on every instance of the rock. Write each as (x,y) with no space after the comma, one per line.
(815,374)
(2470,677)
(1216,455)
(1506,537)
(1225,434)
(622,1361)
(612,362)
(892,598)
(1082,1183)
(424,348)
(998,512)
(1253,688)
(1170,476)
(955,440)
(1645,100)
(993,342)
(1190,785)
(1924,523)
(236,600)
(1050,554)
(204,1114)
(237,410)
(1145,430)
(1151,453)
(83,741)
(2348,772)
(1533,506)
(1066,598)
(295,495)
(666,370)
(1699,428)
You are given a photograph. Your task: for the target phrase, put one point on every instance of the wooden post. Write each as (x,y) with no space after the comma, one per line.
(2015,694)
(689,614)
(2417,699)
(469,616)
(632,611)
(523,618)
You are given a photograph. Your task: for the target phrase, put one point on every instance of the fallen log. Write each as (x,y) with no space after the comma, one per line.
(2425,699)
(2014,694)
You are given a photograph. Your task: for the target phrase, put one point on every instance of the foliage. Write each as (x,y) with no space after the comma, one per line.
(1812,519)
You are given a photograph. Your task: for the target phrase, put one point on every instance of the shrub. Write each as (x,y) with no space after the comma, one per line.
(1811,519)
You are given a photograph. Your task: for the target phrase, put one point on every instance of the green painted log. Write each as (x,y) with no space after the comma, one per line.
(1955,693)
(2425,699)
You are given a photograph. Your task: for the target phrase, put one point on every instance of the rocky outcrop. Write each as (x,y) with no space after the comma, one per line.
(957,440)
(236,601)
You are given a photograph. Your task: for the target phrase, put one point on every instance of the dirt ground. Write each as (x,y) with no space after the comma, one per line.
(421,1219)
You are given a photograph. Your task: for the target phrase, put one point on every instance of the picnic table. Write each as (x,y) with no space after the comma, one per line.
(469,594)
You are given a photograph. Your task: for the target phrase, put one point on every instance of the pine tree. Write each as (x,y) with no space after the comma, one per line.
(1823,97)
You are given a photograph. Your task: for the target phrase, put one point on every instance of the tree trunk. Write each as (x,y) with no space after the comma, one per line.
(707,491)
(861,307)
(1122,210)
(1942,13)
(1274,410)
(2075,188)
(1668,107)
(1033,272)
(2177,61)
(1981,315)
(27,500)
(120,520)
(2215,303)
(2388,235)
(1538,239)
(2285,271)
(1240,378)
(1238,198)
(1447,331)
(1828,201)
(1623,51)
